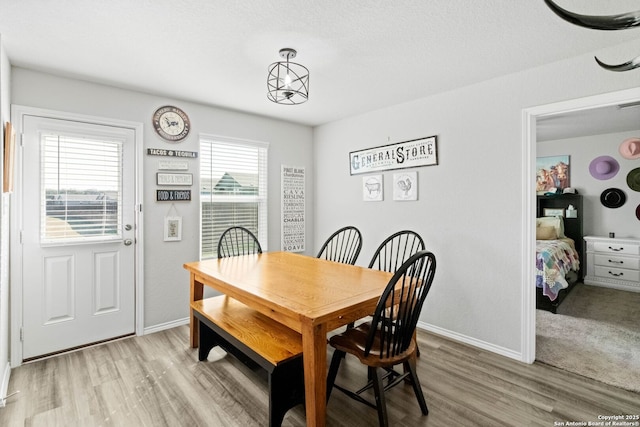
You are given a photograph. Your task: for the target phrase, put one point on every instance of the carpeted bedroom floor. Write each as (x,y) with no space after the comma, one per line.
(596,333)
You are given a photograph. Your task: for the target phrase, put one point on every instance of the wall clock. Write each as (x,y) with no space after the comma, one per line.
(171,123)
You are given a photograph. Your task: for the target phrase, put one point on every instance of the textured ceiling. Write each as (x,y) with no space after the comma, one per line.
(593,121)
(362,54)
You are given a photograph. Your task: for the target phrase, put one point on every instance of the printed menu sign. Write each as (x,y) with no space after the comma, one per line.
(292,209)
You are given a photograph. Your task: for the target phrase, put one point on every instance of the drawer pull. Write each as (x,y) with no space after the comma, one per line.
(615,262)
(616,249)
(616,275)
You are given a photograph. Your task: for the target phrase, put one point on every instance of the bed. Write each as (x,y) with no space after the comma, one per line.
(555,261)
(558,251)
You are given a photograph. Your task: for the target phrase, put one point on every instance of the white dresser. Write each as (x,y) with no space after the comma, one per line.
(613,263)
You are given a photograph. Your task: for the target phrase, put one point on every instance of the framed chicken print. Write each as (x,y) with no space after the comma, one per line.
(405,186)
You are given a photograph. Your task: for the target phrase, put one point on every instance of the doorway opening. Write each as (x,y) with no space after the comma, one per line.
(531,117)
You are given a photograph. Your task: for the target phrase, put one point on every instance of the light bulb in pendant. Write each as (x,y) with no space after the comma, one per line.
(287,81)
(287,92)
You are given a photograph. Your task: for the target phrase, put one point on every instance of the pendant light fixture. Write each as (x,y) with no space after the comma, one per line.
(288,82)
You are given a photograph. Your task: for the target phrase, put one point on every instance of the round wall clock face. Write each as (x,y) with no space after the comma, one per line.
(171,123)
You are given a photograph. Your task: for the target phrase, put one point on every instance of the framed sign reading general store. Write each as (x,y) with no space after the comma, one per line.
(401,155)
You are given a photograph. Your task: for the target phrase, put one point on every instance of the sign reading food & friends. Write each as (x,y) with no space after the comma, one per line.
(173,195)
(401,155)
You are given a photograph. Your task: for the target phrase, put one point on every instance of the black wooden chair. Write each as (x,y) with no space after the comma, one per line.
(342,246)
(236,241)
(395,250)
(388,340)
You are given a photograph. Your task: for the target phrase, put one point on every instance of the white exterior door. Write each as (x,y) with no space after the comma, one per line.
(78,234)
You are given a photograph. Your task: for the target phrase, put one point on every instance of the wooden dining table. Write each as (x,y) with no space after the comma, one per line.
(310,295)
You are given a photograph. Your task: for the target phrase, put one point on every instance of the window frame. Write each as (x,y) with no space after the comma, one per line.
(261,199)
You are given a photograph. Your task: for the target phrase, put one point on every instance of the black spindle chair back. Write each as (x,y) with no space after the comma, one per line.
(395,250)
(236,241)
(342,246)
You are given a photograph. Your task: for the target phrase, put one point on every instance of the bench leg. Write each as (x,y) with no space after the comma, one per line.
(207,339)
(286,390)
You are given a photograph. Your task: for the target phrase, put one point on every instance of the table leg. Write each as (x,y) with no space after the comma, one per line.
(314,350)
(195,294)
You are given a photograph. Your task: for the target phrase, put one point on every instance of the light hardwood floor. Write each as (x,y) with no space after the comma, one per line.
(156,380)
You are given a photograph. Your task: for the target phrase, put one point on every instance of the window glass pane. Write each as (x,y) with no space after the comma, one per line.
(233,190)
(81,189)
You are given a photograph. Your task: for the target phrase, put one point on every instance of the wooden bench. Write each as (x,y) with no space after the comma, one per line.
(254,339)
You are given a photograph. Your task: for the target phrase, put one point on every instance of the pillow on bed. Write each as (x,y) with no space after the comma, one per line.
(544,232)
(552,221)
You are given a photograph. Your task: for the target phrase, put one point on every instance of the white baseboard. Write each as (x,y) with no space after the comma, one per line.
(4,385)
(472,341)
(164,326)
(427,327)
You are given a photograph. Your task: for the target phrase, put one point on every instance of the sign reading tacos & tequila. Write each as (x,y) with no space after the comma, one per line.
(401,155)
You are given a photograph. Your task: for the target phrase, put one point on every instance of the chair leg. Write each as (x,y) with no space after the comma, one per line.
(378,389)
(410,365)
(336,359)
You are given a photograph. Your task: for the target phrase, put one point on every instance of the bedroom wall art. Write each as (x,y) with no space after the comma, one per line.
(552,174)
(613,198)
(630,148)
(604,167)
(633,179)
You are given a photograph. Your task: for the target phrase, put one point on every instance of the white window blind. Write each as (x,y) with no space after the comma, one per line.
(233,189)
(81,189)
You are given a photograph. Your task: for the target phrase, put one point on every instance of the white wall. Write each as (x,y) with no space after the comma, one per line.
(470,205)
(597,219)
(166,287)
